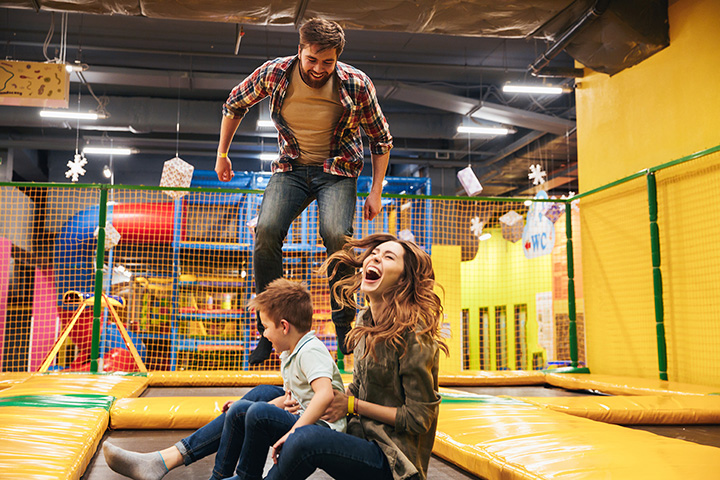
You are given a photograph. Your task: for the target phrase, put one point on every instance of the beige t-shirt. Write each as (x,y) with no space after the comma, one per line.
(312,114)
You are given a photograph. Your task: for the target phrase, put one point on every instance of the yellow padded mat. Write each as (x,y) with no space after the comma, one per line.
(222,378)
(78,383)
(8,379)
(479,378)
(512,442)
(219,378)
(637,410)
(165,412)
(49,443)
(618,385)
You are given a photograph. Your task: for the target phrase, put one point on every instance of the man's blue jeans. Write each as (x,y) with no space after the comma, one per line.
(286,196)
(225,433)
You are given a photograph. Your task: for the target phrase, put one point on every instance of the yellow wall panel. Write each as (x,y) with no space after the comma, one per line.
(663,109)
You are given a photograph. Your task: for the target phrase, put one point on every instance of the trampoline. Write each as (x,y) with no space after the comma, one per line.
(53,425)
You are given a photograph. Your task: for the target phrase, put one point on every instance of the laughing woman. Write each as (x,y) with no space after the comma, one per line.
(393,401)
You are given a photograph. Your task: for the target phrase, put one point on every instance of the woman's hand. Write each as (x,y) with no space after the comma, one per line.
(278,446)
(290,404)
(227,405)
(337,409)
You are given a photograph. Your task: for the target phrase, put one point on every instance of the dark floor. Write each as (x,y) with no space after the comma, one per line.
(149,440)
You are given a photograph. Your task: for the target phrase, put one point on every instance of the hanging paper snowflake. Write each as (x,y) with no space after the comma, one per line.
(536,174)
(75,166)
(575,203)
(476,226)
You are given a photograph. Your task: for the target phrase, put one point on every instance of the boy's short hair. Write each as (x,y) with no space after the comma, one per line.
(325,33)
(283,298)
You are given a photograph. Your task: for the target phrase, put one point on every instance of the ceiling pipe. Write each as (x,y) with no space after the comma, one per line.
(591,14)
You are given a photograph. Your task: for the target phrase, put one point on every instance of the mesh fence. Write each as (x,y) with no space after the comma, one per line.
(178,274)
(690,268)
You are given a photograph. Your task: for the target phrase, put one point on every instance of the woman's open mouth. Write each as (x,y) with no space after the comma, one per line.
(372,274)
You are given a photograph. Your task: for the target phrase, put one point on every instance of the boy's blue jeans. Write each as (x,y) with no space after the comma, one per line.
(225,433)
(284,199)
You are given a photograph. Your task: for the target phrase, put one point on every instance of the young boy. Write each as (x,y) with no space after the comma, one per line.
(309,378)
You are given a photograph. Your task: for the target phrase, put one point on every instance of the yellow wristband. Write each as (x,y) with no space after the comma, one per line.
(222,155)
(351,405)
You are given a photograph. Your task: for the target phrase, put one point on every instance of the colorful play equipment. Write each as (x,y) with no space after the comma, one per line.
(175,318)
(117,360)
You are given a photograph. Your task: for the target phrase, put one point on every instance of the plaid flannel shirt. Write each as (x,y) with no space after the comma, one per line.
(360,109)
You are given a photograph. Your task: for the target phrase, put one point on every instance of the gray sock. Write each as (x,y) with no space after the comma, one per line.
(138,466)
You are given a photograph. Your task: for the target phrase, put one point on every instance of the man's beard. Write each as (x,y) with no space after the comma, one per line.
(313,82)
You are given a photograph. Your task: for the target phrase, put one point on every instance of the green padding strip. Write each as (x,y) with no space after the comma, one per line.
(486,399)
(63,401)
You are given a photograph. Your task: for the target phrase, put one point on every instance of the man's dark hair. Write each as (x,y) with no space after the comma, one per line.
(324,33)
(283,298)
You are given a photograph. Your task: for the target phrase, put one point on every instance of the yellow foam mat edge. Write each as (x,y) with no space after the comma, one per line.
(49,443)
(214,378)
(618,385)
(165,412)
(513,442)
(119,386)
(477,378)
(637,410)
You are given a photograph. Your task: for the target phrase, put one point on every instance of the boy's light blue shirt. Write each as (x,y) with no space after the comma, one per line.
(308,361)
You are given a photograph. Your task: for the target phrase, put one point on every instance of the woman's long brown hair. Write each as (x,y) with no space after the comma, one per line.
(410,305)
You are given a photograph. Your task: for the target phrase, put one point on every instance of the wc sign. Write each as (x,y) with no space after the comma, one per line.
(539,233)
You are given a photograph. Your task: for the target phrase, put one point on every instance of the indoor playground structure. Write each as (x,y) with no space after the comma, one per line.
(108,292)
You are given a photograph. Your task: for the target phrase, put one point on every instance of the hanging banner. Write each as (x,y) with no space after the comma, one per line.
(34,84)
(539,233)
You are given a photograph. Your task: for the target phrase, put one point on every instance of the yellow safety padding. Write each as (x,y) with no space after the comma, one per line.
(49,443)
(637,410)
(68,383)
(512,442)
(477,378)
(8,379)
(214,378)
(165,412)
(617,385)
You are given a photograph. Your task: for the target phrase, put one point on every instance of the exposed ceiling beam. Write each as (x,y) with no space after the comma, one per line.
(474,108)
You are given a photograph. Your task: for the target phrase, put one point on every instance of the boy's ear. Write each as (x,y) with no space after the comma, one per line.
(285,326)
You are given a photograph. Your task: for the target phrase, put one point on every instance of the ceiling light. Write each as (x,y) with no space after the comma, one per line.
(75,67)
(539,89)
(484,130)
(108,151)
(268,157)
(265,124)
(68,114)
(107,172)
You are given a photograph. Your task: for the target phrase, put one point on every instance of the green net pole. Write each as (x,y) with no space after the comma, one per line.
(99,263)
(657,276)
(572,313)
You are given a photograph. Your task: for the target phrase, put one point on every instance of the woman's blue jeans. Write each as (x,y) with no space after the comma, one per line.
(225,434)
(340,455)
(284,199)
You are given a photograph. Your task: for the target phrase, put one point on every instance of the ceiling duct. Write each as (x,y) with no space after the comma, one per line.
(622,35)
(591,14)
